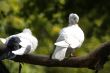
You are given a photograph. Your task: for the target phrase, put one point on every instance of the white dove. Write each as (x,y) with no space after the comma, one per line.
(19,44)
(70,37)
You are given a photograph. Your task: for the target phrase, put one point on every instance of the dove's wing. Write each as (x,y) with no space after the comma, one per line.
(19,51)
(74,36)
(26,41)
(61,41)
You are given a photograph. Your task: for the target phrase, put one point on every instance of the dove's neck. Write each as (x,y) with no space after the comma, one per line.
(72,24)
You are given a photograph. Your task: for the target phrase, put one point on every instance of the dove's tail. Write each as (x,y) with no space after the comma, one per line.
(59,53)
(3,40)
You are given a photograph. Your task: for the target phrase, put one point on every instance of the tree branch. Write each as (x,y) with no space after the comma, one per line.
(89,61)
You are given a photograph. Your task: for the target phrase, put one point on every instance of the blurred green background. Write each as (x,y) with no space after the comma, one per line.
(46,17)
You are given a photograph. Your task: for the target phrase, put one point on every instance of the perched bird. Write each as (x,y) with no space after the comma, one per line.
(19,44)
(70,37)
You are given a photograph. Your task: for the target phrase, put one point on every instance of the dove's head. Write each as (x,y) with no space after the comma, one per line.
(73,19)
(26,30)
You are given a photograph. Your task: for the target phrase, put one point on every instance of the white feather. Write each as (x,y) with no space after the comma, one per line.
(19,51)
(59,53)
(62,44)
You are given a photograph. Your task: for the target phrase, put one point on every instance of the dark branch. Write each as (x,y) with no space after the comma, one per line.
(88,61)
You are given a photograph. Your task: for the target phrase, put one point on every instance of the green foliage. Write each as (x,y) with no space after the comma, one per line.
(46,18)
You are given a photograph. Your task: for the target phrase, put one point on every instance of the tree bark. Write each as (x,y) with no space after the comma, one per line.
(88,61)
